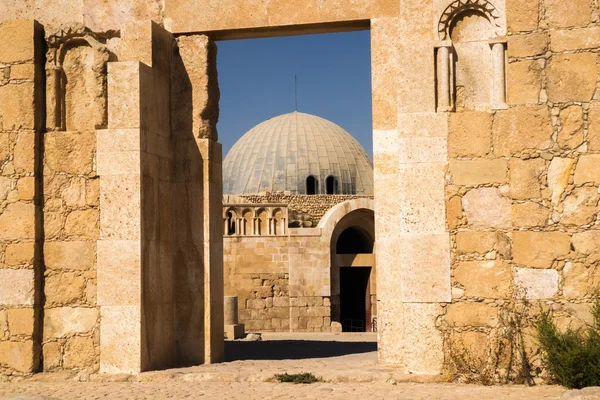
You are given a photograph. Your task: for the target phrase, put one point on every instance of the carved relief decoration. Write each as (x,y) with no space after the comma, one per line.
(459,6)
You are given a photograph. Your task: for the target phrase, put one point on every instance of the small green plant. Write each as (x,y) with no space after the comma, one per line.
(572,357)
(304,377)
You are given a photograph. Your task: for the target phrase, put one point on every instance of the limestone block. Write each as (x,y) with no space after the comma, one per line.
(423,125)
(70,255)
(22,71)
(527,45)
(119,272)
(19,254)
(230,308)
(571,77)
(70,152)
(536,284)
(427,149)
(454,212)
(594,127)
(118,163)
(468,242)
(235,331)
(524,82)
(525,178)
(586,242)
(24,152)
(53,224)
(18,355)
(473,345)
(26,188)
(486,279)
(478,171)
(560,14)
(571,134)
(522,15)
(574,39)
(472,314)
(588,169)
(120,339)
(21,321)
(424,267)
(17,287)
(576,280)
(124,94)
(539,249)
(529,214)
(486,208)
(521,128)
(79,353)
(17,41)
(581,206)
(416,76)
(423,342)
(52,355)
(82,224)
(65,288)
(17,222)
(120,205)
(469,134)
(63,321)
(558,176)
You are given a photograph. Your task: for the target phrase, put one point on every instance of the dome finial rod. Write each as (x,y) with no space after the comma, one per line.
(295,93)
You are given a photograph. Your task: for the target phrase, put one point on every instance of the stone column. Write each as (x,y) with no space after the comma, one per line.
(233,330)
(225,226)
(499,65)
(444,76)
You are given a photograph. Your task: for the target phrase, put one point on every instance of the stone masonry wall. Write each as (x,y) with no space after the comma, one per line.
(522,188)
(303,208)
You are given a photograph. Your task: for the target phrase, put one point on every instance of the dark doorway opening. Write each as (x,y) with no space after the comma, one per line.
(312,185)
(331,185)
(355,299)
(354,240)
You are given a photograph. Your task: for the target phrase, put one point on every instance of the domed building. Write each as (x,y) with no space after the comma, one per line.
(298,221)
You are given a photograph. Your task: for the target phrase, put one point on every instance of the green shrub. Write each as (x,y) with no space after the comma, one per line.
(571,357)
(297,378)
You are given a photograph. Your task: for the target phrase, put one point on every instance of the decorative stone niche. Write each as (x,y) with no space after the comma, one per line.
(250,220)
(471,57)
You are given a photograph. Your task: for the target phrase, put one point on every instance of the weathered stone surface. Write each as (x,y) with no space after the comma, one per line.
(529,214)
(17,41)
(24,153)
(527,45)
(587,242)
(26,188)
(63,321)
(472,314)
(16,287)
(536,284)
(524,81)
(571,134)
(589,393)
(525,178)
(571,77)
(70,152)
(522,15)
(594,127)
(19,254)
(17,222)
(581,206)
(576,280)
(539,249)
(79,353)
(574,39)
(472,345)
(469,134)
(486,208)
(560,14)
(425,354)
(83,224)
(52,355)
(558,176)
(521,128)
(18,355)
(484,279)
(70,255)
(20,321)
(588,169)
(478,171)
(476,242)
(64,288)
(454,212)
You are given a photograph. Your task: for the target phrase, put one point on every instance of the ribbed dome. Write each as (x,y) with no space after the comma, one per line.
(280,153)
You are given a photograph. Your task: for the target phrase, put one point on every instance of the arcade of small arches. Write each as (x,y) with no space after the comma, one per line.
(252,220)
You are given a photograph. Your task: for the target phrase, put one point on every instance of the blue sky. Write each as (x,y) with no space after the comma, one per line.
(256,79)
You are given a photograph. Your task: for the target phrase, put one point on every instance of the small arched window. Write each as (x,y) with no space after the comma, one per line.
(231,222)
(331,185)
(312,185)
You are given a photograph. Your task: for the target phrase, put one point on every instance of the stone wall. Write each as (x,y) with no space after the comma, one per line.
(304,210)
(522,188)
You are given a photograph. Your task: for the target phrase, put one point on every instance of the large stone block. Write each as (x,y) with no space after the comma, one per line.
(472,346)
(469,134)
(529,214)
(64,321)
(486,208)
(522,128)
(119,272)
(559,172)
(527,45)
(70,255)
(536,284)
(120,339)
(120,207)
(17,222)
(472,314)
(522,15)
(65,288)
(19,254)
(524,82)
(17,287)
(24,152)
(525,177)
(539,249)
(571,133)
(574,39)
(576,280)
(52,355)
(587,242)
(484,279)
(423,342)
(18,355)
(17,41)
(21,321)
(468,242)
(594,127)
(588,169)
(79,353)
(82,224)
(478,171)
(571,77)
(562,14)
(580,207)
(70,152)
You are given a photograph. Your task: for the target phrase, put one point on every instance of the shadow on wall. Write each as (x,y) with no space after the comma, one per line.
(293,349)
